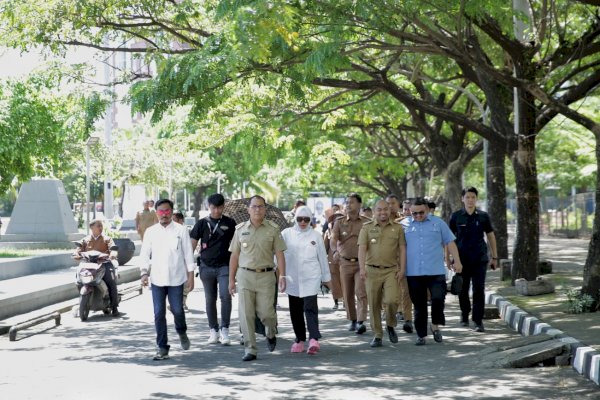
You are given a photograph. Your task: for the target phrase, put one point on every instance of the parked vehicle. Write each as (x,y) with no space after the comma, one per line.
(93,291)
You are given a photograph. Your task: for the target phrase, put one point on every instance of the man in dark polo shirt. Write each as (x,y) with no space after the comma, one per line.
(470,226)
(214,234)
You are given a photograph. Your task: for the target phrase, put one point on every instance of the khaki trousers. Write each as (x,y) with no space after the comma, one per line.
(353,285)
(405,305)
(336,283)
(382,287)
(256,298)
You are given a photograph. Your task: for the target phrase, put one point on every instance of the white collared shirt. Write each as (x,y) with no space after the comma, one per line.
(172,254)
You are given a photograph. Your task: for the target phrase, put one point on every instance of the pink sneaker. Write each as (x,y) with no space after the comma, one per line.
(298,347)
(313,346)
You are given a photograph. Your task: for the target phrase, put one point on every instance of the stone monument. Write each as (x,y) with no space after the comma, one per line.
(42,213)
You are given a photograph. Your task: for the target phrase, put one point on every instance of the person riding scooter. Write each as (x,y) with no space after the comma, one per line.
(95,241)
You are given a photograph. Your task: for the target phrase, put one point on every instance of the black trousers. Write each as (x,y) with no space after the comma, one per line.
(301,307)
(473,274)
(110,279)
(417,287)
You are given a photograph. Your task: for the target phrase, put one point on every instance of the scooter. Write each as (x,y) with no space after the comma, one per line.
(93,292)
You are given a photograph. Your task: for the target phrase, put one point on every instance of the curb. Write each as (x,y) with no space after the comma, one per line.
(585,359)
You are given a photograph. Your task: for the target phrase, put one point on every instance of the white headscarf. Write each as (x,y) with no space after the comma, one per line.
(302,211)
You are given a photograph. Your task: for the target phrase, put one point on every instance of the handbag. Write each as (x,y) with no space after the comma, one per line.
(456,284)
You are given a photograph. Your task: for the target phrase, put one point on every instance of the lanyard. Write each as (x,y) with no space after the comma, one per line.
(211,231)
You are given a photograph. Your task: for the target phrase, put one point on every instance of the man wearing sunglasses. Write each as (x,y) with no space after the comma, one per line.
(426,236)
(168,248)
(344,242)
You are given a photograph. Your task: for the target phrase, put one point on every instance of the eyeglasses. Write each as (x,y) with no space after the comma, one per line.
(303,219)
(255,207)
(415,213)
(164,212)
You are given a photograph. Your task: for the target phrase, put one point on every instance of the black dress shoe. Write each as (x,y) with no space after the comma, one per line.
(376,342)
(271,343)
(361,328)
(407,326)
(392,334)
(352,326)
(479,328)
(437,336)
(248,357)
(115,312)
(420,341)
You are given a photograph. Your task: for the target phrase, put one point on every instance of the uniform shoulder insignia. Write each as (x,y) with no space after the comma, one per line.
(273,224)
(339,217)
(238,226)
(368,222)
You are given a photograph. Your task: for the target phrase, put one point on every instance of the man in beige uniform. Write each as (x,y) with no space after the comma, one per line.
(145,219)
(405,305)
(251,264)
(344,242)
(382,260)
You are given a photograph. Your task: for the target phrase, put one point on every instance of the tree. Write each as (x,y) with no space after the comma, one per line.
(39,129)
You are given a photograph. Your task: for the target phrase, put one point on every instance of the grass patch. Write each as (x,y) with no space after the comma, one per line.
(17,253)
(533,301)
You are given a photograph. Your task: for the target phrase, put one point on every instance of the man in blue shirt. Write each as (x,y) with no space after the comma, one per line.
(426,236)
(471,225)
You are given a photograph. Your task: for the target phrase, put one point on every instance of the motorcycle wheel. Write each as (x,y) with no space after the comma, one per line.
(84,307)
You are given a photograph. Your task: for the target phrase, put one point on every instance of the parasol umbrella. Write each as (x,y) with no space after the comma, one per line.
(238,211)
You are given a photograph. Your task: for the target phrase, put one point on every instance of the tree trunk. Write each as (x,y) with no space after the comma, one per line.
(122,197)
(198,200)
(453,185)
(591,270)
(496,197)
(526,250)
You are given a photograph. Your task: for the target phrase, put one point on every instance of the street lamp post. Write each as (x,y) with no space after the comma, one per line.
(92,140)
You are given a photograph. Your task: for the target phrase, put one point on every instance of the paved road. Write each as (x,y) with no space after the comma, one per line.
(112,358)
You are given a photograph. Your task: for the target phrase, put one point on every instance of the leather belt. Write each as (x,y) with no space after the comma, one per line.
(381,266)
(259,270)
(350,259)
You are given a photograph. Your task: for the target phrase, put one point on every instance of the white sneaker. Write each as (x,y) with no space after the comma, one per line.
(225,337)
(214,337)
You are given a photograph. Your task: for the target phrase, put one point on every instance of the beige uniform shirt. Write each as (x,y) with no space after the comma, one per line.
(144,220)
(344,237)
(383,243)
(257,246)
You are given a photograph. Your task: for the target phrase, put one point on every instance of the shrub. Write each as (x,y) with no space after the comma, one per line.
(578,302)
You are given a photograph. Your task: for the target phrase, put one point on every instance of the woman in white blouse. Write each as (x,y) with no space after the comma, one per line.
(306,267)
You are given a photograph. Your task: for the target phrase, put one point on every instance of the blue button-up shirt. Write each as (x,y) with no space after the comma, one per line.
(425,243)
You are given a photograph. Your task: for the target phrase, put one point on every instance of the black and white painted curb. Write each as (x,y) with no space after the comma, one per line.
(585,359)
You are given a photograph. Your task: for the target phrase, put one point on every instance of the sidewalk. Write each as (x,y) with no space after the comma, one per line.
(568,258)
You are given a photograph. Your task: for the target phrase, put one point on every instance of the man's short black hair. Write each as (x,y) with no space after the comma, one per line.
(300,203)
(163,201)
(256,196)
(406,202)
(467,190)
(216,199)
(419,201)
(178,215)
(355,196)
(431,205)
(367,209)
(392,196)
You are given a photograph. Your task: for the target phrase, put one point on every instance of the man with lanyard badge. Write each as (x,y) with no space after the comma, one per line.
(215,233)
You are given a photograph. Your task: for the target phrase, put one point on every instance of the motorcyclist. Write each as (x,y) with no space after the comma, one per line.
(95,241)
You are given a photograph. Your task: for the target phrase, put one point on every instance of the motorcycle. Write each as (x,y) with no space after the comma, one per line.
(93,291)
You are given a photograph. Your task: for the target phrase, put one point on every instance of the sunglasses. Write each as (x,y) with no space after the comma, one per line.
(303,219)
(415,213)
(164,212)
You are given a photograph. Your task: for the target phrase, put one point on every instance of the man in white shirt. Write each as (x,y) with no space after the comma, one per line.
(169,246)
